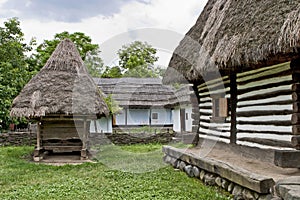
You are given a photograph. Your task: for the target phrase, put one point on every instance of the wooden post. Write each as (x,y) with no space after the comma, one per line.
(84,141)
(150,118)
(195,99)
(95,124)
(295,120)
(233,106)
(38,136)
(37,152)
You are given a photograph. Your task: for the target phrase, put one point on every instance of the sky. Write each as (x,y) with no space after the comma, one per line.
(110,23)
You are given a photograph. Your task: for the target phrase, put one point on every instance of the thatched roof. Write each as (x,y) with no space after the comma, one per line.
(63,86)
(138,92)
(233,35)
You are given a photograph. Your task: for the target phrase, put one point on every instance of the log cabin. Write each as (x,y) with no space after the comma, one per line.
(62,98)
(243,60)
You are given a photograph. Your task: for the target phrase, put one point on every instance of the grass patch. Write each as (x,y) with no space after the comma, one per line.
(21,179)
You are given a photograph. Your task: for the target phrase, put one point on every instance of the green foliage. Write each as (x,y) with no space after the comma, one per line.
(84,45)
(113,106)
(21,179)
(114,72)
(136,54)
(136,60)
(14,71)
(94,63)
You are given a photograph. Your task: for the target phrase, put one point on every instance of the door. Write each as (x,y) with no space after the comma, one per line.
(182,119)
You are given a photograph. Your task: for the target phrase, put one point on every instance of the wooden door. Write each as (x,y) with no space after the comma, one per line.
(182,119)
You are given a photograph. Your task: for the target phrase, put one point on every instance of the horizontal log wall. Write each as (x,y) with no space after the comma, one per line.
(207,127)
(264,108)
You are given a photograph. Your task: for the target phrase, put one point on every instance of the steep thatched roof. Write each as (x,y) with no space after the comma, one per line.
(63,86)
(138,92)
(233,35)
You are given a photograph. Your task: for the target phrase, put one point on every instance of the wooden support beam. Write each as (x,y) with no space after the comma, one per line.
(295,96)
(287,158)
(233,106)
(296,142)
(296,130)
(296,87)
(84,141)
(295,119)
(195,113)
(38,136)
(296,107)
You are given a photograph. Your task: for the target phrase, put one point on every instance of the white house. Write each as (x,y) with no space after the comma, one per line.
(145,102)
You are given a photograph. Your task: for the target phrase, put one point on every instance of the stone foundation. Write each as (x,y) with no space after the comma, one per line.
(240,183)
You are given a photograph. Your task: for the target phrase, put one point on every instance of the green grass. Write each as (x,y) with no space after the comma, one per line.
(21,179)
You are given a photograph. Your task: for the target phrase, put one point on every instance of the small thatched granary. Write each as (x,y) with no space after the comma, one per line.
(62,98)
(243,59)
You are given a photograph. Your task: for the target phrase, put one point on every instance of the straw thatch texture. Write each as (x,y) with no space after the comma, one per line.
(63,86)
(138,92)
(235,35)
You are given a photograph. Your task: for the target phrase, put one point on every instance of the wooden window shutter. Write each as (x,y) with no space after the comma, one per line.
(223,107)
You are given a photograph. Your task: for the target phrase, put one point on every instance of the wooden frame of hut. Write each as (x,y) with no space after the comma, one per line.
(62,98)
(243,59)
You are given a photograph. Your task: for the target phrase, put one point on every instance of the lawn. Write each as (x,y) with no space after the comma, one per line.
(21,179)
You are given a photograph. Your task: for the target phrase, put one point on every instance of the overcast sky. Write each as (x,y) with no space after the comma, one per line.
(110,23)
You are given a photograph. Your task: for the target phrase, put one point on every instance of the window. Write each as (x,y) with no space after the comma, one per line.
(154,115)
(186,116)
(220,109)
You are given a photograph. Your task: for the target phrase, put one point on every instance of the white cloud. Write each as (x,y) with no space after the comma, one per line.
(174,16)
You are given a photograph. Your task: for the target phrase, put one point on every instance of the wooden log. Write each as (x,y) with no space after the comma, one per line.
(296,107)
(215,135)
(256,113)
(295,119)
(261,78)
(259,71)
(287,158)
(295,96)
(296,87)
(260,87)
(296,129)
(205,101)
(215,129)
(267,142)
(264,132)
(284,102)
(205,107)
(274,123)
(296,142)
(266,95)
(205,114)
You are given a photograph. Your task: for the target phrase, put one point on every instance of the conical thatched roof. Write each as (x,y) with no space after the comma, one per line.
(238,35)
(63,86)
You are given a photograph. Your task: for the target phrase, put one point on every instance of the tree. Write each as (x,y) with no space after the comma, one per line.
(137,60)
(14,70)
(89,52)
(114,72)
(94,63)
